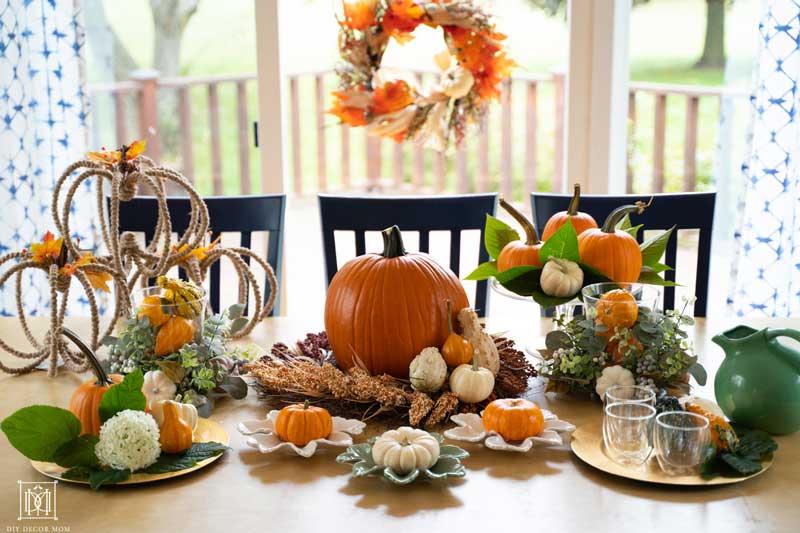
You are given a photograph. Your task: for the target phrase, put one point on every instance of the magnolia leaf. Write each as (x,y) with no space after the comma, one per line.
(172,462)
(496,235)
(524,283)
(653,248)
(657,268)
(98,478)
(515,272)
(484,271)
(562,244)
(550,301)
(625,225)
(654,279)
(39,431)
(124,396)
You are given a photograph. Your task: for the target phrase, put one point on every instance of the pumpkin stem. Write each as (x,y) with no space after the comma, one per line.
(610,225)
(475,366)
(449,317)
(305,404)
(97,368)
(393,243)
(530,230)
(572,210)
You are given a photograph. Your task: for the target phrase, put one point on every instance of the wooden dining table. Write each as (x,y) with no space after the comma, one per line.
(545,490)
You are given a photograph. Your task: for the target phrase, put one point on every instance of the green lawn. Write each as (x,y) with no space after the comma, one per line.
(666,38)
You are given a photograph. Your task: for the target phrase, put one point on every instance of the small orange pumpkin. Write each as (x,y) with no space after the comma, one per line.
(613,252)
(618,309)
(722,434)
(176,332)
(383,309)
(617,354)
(513,418)
(518,253)
(175,435)
(152,309)
(580,221)
(85,401)
(456,349)
(301,423)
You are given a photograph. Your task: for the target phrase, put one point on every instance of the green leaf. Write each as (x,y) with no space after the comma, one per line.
(557,339)
(562,244)
(653,248)
(657,268)
(125,395)
(625,225)
(78,473)
(496,235)
(755,443)
(237,324)
(654,279)
(515,272)
(235,311)
(77,452)
(743,465)
(38,431)
(98,478)
(235,386)
(698,373)
(173,462)
(484,271)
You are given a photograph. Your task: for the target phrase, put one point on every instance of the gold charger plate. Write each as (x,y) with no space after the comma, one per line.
(207,430)
(587,443)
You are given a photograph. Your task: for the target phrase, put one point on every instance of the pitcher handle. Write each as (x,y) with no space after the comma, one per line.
(783,332)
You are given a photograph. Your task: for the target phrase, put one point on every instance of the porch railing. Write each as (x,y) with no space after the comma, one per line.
(518,149)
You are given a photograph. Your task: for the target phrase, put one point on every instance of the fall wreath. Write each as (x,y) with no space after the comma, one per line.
(472,67)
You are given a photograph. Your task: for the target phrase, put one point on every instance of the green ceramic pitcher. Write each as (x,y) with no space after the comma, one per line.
(758,383)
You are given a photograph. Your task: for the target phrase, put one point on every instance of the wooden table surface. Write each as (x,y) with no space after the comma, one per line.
(544,491)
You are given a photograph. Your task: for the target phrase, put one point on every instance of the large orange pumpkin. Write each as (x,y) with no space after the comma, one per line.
(383,309)
(580,221)
(85,401)
(613,252)
(513,418)
(518,253)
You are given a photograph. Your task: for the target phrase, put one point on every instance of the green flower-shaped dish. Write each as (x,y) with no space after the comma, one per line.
(448,465)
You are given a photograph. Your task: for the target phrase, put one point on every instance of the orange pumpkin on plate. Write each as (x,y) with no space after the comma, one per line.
(301,423)
(85,401)
(518,253)
(383,309)
(613,252)
(513,418)
(580,221)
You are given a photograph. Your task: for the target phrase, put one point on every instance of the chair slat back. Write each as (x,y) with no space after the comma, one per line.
(422,214)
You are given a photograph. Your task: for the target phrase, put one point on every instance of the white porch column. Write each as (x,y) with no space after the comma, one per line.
(597,95)
(271,127)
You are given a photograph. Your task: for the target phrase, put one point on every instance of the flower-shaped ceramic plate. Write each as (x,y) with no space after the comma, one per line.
(262,436)
(471,430)
(448,465)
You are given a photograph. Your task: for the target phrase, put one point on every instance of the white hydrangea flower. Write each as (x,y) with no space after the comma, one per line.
(129,439)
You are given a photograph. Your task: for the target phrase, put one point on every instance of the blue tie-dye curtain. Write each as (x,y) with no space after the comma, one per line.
(767,269)
(43,128)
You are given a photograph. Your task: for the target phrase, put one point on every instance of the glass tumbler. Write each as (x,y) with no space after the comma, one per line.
(627,394)
(681,439)
(626,434)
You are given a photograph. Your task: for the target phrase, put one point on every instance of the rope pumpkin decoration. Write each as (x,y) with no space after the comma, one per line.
(124,172)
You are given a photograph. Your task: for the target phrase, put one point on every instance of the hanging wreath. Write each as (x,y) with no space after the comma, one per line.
(472,67)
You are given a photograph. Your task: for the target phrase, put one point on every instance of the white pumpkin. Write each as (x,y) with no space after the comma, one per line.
(561,278)
(613,375)
(472,330)
(157,387)
(186,412)
(405,449)
(428,370)
(457,81)
(472,383)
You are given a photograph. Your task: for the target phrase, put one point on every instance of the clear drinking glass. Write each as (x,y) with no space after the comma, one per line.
(681,439)
(626,434)
(629,394)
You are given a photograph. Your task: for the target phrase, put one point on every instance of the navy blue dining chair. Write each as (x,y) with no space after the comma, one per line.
(227,214)
(411,213)
(686,211)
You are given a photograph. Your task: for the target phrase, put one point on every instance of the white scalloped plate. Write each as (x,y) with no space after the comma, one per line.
(262,436)
(471,429)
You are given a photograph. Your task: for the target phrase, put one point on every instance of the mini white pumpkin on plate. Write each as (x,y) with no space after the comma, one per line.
(405,449)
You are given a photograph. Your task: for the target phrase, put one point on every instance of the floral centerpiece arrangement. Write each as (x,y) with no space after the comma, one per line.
(183,355)
(417,351)
(472,66)
(110,431)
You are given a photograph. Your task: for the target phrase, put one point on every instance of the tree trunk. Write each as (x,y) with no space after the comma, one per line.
(169,23)
(714,46)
